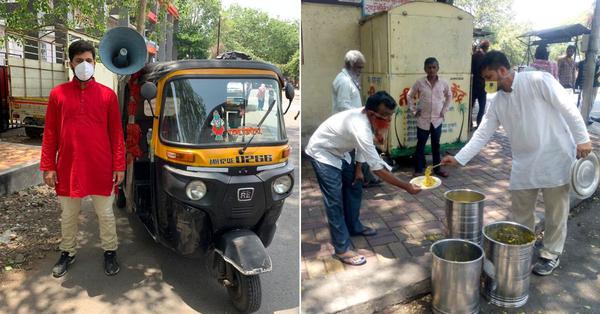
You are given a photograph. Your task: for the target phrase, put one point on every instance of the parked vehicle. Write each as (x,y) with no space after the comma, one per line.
(212,176)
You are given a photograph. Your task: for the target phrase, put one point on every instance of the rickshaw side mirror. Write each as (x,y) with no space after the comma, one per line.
(289,91)
(148,91)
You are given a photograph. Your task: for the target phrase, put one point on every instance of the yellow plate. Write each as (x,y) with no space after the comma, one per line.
(418,181)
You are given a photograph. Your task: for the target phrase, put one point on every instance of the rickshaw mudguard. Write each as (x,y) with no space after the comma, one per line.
(244,250)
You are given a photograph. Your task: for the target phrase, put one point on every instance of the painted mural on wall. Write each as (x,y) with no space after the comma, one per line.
(402,136)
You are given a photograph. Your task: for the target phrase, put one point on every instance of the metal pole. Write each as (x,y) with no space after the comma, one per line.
(589,70)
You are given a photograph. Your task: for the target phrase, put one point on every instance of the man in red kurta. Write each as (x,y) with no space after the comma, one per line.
(83,154)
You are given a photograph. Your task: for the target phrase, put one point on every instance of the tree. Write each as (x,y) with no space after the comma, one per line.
(27,16)
(497,16)
(254,32)
(292,69)
(197,27)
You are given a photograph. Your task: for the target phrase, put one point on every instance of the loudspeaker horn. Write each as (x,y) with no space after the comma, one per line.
(123,50)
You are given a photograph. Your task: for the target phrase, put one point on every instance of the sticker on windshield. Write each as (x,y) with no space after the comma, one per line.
(218,126)
(245,131)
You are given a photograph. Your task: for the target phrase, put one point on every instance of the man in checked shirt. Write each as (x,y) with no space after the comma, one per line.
(434,99)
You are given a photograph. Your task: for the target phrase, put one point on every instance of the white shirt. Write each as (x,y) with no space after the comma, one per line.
(342,133)
(346,94)
(542,126)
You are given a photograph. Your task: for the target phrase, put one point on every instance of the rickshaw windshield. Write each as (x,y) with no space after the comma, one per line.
(213,111)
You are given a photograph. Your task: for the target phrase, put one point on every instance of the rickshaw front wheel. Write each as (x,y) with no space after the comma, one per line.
(245,291)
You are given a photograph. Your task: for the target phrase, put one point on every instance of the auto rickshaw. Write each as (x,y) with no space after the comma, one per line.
(207,171)
(215,172)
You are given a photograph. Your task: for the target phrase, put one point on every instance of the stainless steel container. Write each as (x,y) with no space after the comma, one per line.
(506,268)
(455,276)
(464,213)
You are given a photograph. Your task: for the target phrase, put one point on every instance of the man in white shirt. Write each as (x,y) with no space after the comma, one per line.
(329,149)
(346,85)
(346,95)
(545,131)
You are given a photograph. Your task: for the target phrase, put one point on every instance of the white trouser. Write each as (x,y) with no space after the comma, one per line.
(556,213)
(70,219)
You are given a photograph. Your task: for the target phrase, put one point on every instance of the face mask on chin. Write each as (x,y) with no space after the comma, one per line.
(84,71)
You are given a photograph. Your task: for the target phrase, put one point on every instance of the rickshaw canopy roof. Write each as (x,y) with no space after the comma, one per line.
(157,70)
(558,34)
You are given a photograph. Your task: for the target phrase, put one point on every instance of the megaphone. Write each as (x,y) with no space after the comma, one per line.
(123,51)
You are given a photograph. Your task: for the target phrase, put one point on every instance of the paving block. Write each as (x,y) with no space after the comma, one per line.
(315,268)
(333,265)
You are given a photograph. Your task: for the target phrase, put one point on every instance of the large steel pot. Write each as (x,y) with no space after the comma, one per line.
(507,267)
(464,214)
(455,276)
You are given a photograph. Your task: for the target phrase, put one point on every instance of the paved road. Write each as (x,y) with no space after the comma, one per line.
(572,288)
(152,278)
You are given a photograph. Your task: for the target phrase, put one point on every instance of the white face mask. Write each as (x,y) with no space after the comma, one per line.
(84,71)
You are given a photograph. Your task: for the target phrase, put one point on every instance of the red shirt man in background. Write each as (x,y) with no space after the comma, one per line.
(83,154)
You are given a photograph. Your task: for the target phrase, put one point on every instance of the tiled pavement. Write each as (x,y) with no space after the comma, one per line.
(14,155)
(407,225)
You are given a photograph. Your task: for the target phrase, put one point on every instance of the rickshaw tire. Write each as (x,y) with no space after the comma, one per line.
(245,293)
(121,201)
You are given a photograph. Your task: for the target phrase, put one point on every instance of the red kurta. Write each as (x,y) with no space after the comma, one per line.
(83,139)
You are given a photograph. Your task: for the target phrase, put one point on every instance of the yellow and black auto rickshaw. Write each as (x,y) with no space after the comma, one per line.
(215,172)
(208,157)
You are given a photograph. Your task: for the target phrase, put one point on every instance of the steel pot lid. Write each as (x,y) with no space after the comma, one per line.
(585,175)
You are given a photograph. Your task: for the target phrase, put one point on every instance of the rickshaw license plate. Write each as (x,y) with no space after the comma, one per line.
(245,194)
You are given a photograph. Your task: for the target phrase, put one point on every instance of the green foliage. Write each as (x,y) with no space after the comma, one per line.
(292,69)
(497,16)
(197,27)
(254,32)
(32,15)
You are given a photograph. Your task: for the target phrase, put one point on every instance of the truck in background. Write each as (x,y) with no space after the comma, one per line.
(29,69)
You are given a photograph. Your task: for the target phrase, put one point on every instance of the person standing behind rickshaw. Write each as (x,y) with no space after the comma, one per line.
(83,154)
(261,96)
(434,99)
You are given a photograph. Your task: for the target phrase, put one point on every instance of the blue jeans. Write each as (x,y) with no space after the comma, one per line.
(342,202)
(422,136)
(261,103)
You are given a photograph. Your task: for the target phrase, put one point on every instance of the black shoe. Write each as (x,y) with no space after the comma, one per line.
(544,266)
(111,267)
(61,267)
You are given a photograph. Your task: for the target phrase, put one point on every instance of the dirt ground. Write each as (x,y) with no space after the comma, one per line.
(29,227)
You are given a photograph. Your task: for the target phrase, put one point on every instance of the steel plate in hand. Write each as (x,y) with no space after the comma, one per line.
(585,175)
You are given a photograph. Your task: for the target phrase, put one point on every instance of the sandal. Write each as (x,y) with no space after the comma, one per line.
(354,260)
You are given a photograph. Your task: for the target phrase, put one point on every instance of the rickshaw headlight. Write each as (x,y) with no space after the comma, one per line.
(195,190)
(282,184)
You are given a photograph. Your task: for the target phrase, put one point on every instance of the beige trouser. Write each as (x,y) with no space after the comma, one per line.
(70,218)
(556,202)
